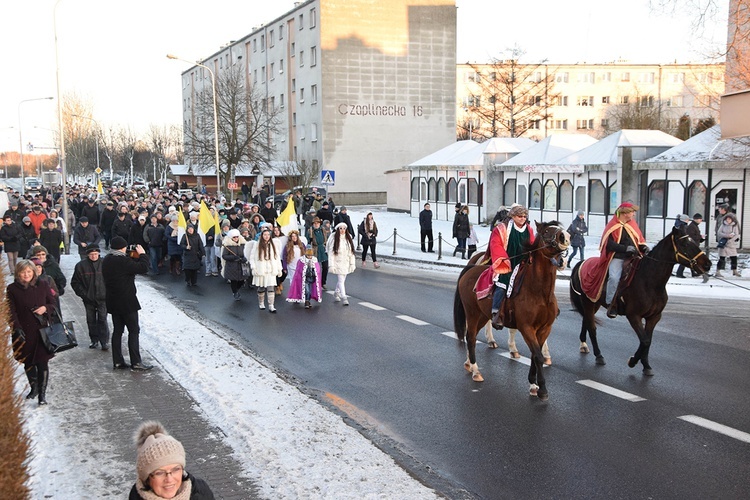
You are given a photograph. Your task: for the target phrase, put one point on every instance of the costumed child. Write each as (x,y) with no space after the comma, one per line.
(306,283)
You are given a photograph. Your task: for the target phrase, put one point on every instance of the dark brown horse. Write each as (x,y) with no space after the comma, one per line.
(531,309)
(643,300)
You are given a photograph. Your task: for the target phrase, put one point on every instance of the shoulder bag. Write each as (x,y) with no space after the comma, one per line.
(58,337)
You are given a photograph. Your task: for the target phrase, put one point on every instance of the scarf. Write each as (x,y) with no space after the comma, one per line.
(147,494)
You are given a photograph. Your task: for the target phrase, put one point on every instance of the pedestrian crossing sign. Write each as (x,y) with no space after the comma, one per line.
(328,177)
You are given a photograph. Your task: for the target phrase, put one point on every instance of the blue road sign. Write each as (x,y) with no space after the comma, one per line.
(328,177)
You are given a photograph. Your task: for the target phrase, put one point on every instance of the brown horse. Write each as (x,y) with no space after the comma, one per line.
(643,300)
(532,308)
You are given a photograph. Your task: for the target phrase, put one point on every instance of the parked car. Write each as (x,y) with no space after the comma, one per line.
(32,184)
(279,199)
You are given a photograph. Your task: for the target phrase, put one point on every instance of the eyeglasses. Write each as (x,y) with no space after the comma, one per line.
(162,474)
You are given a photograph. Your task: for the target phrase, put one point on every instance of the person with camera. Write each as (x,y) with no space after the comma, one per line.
(119,269)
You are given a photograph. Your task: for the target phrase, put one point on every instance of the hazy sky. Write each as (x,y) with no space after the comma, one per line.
(113,52)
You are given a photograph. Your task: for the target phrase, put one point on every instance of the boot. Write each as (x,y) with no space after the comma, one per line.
(612,309)
(463,254)
(718,274)
(31,374)
(262,299)
(735,272)
(43,378)
(271,301)
(497,320)
(454,251)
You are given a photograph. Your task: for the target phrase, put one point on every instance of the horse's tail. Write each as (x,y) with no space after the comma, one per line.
(576,292)
(459,313)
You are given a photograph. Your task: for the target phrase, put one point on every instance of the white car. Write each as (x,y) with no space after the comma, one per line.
(32,184)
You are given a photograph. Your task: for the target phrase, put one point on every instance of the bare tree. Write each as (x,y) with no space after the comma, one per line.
(162,142)
(640,112)
(129,145)
(80,134)
(246,121)
(304,173)
(511,98)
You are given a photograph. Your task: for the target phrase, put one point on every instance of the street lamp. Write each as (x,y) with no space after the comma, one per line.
(63,170)
(216,117)
(97,144)
(20,137)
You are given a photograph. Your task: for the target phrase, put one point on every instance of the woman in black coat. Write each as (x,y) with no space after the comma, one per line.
(577,230)
(10,235)
(28,297)
(28,233)
(192,254)
(233,257)
(461,230)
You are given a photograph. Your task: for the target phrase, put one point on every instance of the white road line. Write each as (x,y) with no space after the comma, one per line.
(411,320)
(372,306)
(611,391)
(716,427)
(523,359)
(449,334)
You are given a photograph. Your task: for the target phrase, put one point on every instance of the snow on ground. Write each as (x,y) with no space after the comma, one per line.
(289,444)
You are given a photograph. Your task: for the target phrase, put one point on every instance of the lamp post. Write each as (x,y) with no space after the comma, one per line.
(97,144)
(63,170)
(216,117)
(20,137)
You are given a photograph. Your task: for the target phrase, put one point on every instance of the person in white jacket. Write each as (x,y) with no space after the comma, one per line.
(341,259)
(266,266)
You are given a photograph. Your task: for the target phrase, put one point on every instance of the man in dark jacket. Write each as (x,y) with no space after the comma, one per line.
(10,238)
(15,213)
(325,213)
(136,233)
(425,227)
(342,216)
(122,225)
(85,235)
(90,210)
(122,304)
(154,236)
(51,238)
(105,223)
(268,212)
(88,283)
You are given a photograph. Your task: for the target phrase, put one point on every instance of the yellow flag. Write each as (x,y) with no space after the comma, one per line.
(99,187)
(181,226)
(287,220)
(205,222)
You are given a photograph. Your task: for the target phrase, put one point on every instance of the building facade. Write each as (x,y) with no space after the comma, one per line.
(358,87)
(592,98)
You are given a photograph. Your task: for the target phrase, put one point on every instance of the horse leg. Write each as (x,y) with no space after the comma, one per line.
(644,336)
(590,324)
(537,382)
(471,347)
(546,354)
(488,334)
(512,343)
(538,359)
(584,349)
(637,324)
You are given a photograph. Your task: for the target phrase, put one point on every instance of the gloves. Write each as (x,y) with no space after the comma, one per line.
(644,248)
(243,260)
(630,250)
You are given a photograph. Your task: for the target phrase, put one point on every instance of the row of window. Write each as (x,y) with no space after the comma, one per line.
(647,101)
(591,76)
(312,19)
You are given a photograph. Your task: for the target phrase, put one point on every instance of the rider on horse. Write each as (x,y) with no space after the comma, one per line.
(622,239)
(506,246)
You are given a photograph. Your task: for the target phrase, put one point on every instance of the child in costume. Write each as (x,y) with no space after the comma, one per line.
(306,284)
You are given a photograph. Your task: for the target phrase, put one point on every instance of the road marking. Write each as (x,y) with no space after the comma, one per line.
(372,306)
(611,391)
(450,335)
(523,359)
(716,427)
(413,321)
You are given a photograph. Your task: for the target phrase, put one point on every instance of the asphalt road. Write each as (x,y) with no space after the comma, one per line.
(391,364)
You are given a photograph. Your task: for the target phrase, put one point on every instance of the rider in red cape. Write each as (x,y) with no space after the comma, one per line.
(622,238)
(506,245)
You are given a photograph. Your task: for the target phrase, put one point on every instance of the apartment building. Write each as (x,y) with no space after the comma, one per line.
(357,87)
(588,98)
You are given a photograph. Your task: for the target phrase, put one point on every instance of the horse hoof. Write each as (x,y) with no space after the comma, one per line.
(584,349)
(533,390)
(547,361)
(492,345)
(468,367)
(632,362)
(515,355)
(600,360)
(648,372)
(543,396)
(477,377)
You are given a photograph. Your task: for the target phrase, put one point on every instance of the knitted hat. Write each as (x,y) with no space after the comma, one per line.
(118,243)
(341,225)
(156,449)
(92,249)
(684,218)
(233,233)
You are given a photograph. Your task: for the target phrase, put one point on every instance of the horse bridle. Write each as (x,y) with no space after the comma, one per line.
(677,254)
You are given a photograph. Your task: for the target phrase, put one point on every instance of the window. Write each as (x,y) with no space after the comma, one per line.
(607,76)
(561,77)
(255,45)
(587,77)
(273,72)
(562,100)
(585,124)
(292,49)
(559,124)
(580,198)
(294,85)
(656,198)
(281,101)
(605,122)
(493,76)
(675,101)
(281,31)
(550,195)
(294,119)
(597,196)
(471,101)
(313,18)
(313,56)
(605,99)
(301,22)
(586,100)
(313,132)
(678,77)
(281,66)
(255,76)
(301,58)
(314,93)
(263,73)
(697,197)
(415,189)
(647,101)
(271,38)
(452,190)
(534,124)
(473,189)
(625,76)
(535,100)
(535,194)
(509,192)
(646,78)
(473,76)
(302,94)
(301,130)
(441,190)
(271,104)
(262,43)
(431,189)
(624,99)
(537,77)
(566,196)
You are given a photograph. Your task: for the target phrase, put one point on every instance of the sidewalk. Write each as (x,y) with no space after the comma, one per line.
(101,408)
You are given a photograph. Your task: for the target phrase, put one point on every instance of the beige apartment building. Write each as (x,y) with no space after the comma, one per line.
(590,98)
(358,87)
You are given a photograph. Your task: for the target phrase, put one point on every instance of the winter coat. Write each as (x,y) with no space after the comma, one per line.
(318,239)
(11,236)
(119,272)
(27,234)
(269,214)
(52,269)
(343,262)
(199,489)
(21,301)
(232,259)
(88,282)
(342,217)
(266,268)
(37,220)
(369,237)
(89,235)
(461,225)
(694,231)
(325,214)
(154,235)
(107,219)
(136,235)
(17,215)
(51,240)
(577,229)
(91,212)
(732,233)
(425,220)
(193,256)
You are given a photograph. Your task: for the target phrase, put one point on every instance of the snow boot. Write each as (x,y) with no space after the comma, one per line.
(31,374)
(42,379)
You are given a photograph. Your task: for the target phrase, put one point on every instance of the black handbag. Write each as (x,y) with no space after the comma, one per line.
(58,337)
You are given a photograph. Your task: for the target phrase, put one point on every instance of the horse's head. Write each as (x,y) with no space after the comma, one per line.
(688,253)
(553,236)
